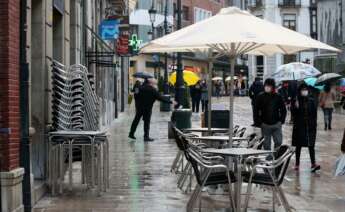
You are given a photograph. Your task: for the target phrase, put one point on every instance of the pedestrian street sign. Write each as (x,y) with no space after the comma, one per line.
(109,29)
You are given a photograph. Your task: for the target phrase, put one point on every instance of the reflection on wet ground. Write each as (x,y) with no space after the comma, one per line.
(141,178)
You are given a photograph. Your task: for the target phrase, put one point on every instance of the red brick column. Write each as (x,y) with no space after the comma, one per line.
(9,84)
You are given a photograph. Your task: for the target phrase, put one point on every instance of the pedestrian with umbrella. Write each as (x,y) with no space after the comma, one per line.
(326,102)
(304,112)
(148,94)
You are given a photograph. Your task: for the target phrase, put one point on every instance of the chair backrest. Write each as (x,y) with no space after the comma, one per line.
(179,139)
(236,127)
(241,132)
(281,163)
(196,162)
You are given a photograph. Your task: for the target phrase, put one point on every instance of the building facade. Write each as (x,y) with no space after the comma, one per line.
(330,24)
(66,31)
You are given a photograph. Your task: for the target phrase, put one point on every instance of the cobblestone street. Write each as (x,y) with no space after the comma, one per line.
(141,180)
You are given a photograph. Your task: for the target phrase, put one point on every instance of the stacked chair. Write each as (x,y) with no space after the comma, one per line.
(75,129)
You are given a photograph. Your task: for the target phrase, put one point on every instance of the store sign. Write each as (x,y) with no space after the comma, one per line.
(122,45)
(109,29)
(134,43)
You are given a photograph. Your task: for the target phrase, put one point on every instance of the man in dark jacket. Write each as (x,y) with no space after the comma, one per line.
(270,114)
(255,89)
(148,94)
(195,94)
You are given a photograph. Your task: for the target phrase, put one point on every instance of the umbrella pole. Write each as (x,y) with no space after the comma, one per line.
(209,90)
(231,108)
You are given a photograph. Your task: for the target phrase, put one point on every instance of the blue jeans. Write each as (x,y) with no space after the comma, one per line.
(272,131)
(327,114)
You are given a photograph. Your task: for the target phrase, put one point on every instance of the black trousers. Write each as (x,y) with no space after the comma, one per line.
(311,154)
(146,115)
(204,105)
(195,105)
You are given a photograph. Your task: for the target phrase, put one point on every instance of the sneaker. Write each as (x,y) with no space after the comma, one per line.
(132,136)
(148,139)
(315,167)
(296,168)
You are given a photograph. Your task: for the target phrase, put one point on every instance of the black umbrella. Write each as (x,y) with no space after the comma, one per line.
(143,75)
(327,78)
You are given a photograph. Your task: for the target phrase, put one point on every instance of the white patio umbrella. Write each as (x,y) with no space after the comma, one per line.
(233,32)
(295,71)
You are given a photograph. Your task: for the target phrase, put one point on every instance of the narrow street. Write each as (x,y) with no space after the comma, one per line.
(141,178)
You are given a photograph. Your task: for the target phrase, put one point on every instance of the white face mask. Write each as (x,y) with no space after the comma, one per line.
(304,92)
(268,89)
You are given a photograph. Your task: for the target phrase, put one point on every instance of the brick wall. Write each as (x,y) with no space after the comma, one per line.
(9,84)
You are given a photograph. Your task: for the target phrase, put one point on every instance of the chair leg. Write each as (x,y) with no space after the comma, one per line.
(176,160)
(283,199)
(273,200)
(232,204)
(193,198)
(197,192)
(186,177)
(183,176)
(249,191)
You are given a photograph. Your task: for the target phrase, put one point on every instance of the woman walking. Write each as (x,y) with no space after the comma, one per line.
(304,112)
(327,99)
(204,96)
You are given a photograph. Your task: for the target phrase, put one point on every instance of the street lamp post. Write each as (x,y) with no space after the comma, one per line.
(166,86)
(152,13)
(179,85)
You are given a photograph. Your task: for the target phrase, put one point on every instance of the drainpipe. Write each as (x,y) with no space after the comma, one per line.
(24,111)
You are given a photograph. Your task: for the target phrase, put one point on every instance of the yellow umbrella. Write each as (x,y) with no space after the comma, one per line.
(189,77)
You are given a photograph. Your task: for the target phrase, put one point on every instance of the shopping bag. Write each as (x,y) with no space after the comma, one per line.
(130,99)
(340,166)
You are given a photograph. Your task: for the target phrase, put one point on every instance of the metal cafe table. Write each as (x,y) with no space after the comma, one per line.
(220,138)
(238,154)
(206,130)
(59,141)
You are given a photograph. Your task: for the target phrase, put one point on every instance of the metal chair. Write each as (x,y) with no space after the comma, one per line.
(273,175)
(207,173)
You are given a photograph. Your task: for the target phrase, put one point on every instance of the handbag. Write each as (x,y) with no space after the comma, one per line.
(130,99)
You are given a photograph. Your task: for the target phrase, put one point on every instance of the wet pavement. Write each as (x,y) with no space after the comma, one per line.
(141,179)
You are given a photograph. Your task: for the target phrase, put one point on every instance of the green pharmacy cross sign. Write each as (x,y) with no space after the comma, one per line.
(134,42)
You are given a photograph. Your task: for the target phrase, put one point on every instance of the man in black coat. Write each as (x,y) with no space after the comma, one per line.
(255,89)
(195,94)
(147,96)
(270,114)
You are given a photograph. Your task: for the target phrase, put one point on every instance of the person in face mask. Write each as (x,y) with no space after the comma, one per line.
(304,111)
(270,114)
